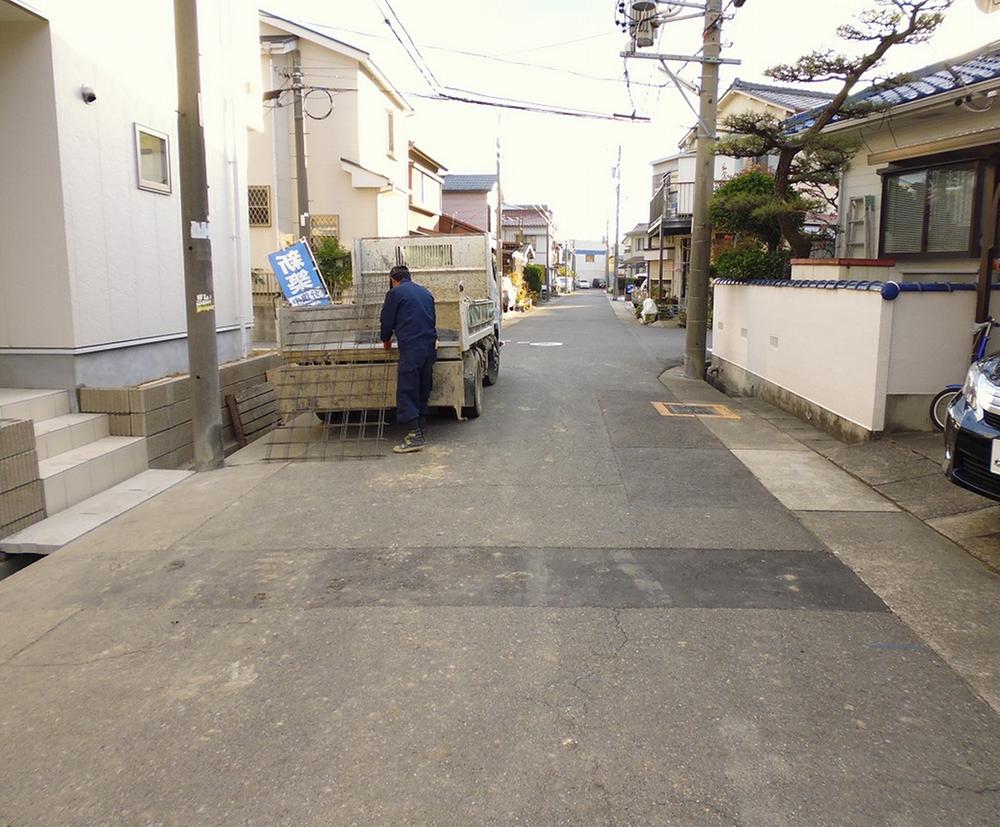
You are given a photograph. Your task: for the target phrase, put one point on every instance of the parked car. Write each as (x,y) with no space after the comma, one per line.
(600,284)
(583,284)
(972,431)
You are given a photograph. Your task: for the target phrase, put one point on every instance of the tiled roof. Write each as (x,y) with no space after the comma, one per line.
(787,97)
(469,183)
(945,76)
(638,229)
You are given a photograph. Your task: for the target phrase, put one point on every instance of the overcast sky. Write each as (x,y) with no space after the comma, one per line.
(566,162)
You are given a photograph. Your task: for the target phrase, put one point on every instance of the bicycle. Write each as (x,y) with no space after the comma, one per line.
(943,399)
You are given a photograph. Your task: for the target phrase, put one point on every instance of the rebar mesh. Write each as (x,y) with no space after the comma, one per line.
(337,382)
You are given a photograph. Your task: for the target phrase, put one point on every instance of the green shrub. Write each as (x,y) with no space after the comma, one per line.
(534,274)
(334,264)
(751,262)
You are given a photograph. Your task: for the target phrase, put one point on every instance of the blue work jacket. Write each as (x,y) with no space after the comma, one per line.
(409,312)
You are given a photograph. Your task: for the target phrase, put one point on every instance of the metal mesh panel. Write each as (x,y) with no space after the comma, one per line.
(259,201)
(337,383)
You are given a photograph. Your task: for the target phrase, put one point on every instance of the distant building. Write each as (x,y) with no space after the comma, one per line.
(472,200)
(590,259)
(425,191)
(533,224)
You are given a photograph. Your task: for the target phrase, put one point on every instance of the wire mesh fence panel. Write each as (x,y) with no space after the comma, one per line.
(337,383)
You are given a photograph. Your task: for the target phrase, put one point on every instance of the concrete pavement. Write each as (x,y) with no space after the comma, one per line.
(574,610)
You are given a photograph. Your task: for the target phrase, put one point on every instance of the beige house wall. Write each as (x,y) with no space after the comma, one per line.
(861,177)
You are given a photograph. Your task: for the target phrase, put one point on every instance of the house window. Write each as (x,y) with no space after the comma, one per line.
(259,202)
(390,135)
(588,258)
(152,158)
(930,211)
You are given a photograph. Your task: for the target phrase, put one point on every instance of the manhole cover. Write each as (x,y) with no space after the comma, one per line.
(546,344)
(694,409)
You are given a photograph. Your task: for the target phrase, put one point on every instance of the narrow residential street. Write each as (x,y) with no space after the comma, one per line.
(574,610)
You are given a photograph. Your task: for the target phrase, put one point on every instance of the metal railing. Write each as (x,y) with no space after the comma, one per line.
(673,200)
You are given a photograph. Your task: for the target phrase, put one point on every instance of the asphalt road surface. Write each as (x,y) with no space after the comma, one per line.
(571,611)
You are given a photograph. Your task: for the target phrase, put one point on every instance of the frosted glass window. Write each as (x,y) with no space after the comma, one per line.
(152,150)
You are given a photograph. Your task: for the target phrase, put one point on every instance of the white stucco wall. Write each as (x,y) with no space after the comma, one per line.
(829,347)
(123,272)
(931,341)
(36,304)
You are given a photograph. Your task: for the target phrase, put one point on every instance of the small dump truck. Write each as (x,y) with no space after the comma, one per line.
(334,360)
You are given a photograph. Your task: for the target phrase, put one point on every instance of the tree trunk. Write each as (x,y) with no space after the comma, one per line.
(800,243)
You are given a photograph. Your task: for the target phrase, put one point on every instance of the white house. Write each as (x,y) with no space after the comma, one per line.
(533,224)
(425,191)
(590,259)
(864,341)
(357,143)
(91,269)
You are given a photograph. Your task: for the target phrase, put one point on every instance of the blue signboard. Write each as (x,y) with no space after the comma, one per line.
(296,272)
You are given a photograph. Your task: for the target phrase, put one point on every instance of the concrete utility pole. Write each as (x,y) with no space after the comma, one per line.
(199,291)
(663,215)
(499,230)
(704,185)
(301,174)
(618,214)
(607,251)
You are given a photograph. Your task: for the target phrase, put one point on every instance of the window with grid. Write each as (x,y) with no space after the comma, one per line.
(930,210)
(324,226)
(259,202)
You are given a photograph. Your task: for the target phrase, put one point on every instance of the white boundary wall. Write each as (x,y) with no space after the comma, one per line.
(845,350)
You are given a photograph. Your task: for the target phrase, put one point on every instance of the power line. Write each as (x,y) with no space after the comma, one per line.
(527,106)
(554,45)
(408,46)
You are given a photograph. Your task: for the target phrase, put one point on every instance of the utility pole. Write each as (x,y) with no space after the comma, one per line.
(641,21)
(618,213)
(607,251)
(499,230)
(704,185)
(199,291)
(301,175)
(663,214)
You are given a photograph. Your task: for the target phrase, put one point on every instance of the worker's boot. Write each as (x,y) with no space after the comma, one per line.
(413,441)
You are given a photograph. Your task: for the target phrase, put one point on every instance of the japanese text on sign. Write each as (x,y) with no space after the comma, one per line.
(298,276)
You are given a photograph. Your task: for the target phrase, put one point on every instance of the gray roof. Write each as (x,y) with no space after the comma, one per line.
(469,183)
(787,97)
(638,229)
(977,66)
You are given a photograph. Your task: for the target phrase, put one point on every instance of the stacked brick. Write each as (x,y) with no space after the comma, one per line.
(22,500)
(160,411)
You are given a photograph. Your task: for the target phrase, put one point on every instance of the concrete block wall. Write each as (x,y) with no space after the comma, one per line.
(22,500)
(160,411)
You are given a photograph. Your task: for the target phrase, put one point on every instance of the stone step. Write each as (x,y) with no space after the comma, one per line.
(30,403)
(75,475)
(64,433)
(55,532)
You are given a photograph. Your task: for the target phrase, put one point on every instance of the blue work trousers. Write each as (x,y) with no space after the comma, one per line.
(414,381)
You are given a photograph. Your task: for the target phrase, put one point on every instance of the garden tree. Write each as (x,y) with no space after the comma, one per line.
(742,208)
(808,161)
(334,264)
(533,276)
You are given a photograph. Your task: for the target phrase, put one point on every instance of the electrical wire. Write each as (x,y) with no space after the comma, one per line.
(527,106)
(555,45)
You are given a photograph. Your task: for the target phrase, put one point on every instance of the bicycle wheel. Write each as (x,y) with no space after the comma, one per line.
(940,405)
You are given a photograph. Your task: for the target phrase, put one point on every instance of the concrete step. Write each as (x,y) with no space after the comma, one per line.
(75,475)
(36,404)
(53,533)
(69,431)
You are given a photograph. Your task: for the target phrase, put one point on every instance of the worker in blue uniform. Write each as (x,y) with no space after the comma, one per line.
(409,313)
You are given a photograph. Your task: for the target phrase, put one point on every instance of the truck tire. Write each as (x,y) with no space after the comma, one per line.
(474,410)
(492,364)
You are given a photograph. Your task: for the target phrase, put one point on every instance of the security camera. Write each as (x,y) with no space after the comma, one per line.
(88,94)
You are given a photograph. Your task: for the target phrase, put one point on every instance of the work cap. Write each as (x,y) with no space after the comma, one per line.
(400,273)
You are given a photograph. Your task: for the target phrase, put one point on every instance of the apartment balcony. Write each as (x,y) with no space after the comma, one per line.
(673,204)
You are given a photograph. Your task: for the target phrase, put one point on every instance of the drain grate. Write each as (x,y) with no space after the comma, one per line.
(694,409)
